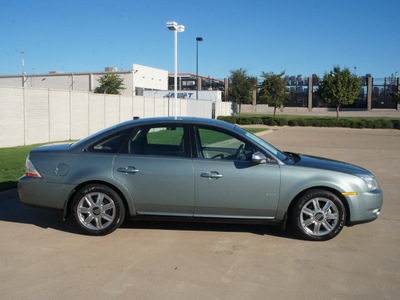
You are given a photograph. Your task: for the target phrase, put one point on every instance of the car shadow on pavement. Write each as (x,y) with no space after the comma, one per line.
(12,210)
(258,229)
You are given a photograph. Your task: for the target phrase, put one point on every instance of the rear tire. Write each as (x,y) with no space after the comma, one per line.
(318,215)
(97,209)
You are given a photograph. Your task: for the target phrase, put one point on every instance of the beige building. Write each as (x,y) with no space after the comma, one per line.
(137,80)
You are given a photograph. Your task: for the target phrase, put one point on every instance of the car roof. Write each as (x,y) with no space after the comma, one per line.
(176,120)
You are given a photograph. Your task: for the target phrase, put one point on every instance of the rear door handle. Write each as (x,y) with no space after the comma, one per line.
(212,175)
(128,170)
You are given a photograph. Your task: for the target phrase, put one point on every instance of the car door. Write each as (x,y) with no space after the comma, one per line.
(157,169)
(227,183)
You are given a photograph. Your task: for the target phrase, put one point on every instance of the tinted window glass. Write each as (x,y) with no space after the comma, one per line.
(109,145)
(216,144)
(165,141)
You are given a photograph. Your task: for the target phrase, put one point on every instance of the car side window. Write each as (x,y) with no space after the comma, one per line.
(110,144)
(215,144)
(163,140)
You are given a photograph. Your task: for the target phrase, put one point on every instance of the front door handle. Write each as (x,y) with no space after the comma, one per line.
(128,170)
(212,175)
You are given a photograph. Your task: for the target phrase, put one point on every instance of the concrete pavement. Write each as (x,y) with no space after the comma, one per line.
(42,257)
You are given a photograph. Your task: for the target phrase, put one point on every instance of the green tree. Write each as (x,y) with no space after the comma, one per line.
(339,87)
(110,84)
(273,90)
(240,87)
(396,98)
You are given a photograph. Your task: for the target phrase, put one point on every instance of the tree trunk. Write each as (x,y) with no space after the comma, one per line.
(337,111)
(274,112)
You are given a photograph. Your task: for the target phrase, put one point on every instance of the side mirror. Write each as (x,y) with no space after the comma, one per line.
(258,158)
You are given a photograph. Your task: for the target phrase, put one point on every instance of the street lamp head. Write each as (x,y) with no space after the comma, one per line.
(180,28)
(199,39)
(173,26)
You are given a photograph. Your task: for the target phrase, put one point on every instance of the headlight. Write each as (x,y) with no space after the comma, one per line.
(371,182)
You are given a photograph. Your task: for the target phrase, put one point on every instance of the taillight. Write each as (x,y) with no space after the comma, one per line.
(30,169)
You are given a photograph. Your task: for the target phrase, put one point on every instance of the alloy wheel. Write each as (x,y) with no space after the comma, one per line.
(319,216)
(96,211)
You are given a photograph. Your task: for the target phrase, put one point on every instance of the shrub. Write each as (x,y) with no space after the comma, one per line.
(257,121)
(396,124)
(281,121)
(372,124)
(228,119)
(316,122)
(344,123)
(269,121)
(387,124)
(359,124)
(327,123)
(302,122)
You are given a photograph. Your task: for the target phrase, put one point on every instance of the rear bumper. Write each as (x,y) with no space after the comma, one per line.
(39,193)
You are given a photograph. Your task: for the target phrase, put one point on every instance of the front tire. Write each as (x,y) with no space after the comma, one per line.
(97,209)
(318,215)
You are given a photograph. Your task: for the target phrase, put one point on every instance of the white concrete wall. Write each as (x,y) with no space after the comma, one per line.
(199,108)
(149,78)
(36,115)
(11,80)
(12,117)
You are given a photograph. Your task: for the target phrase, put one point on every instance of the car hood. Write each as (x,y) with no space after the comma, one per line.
(328,164)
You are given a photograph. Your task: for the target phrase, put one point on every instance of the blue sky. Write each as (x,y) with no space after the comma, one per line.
(301,37)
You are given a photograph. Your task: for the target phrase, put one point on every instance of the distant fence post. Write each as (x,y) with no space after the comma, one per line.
(398,91)
(369,93)
(226,83)
(310,93)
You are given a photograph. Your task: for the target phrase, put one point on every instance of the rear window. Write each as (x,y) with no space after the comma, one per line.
(110,144)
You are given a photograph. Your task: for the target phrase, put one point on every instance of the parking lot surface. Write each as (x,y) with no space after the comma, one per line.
(42,257)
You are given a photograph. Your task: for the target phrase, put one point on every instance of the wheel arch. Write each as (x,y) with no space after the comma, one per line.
(332,190)
(68,203)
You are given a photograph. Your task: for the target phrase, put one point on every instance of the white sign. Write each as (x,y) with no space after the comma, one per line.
(191,95)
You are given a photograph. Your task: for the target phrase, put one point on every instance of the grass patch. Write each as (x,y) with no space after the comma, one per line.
(255,130)
(12,164)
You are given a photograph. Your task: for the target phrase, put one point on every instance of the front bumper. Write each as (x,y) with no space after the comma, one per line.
(364,207)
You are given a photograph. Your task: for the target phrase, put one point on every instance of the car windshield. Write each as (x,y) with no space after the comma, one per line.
(277,153)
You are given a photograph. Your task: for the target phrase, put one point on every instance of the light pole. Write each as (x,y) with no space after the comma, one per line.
(173,26)
(198,39)
(23,62)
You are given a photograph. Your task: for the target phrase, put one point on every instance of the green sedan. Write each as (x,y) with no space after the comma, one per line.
(196,170)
